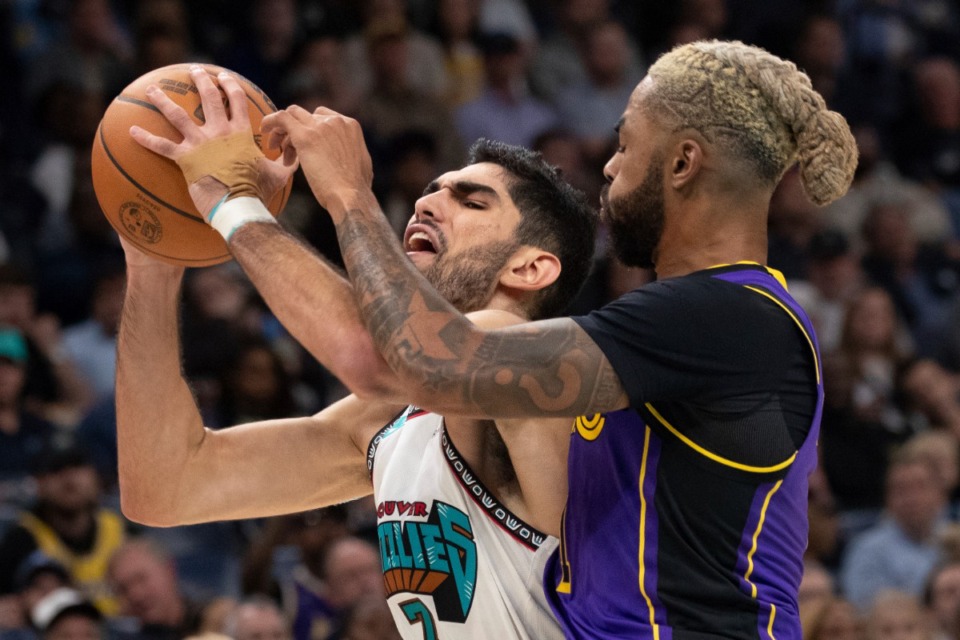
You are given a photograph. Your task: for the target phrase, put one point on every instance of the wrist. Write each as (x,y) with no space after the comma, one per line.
(230,215)
(158,281)
(347,200)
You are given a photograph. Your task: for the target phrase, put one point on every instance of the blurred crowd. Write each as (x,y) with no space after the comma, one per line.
(878,271)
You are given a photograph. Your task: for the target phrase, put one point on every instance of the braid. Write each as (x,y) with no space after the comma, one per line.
(761,108)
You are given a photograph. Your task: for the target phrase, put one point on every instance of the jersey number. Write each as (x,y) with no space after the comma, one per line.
(417,613)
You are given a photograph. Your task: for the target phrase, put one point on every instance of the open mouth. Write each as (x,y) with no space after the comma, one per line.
(420,241)
(421,238)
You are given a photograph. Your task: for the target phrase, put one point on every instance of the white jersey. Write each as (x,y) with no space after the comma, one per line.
(456,563)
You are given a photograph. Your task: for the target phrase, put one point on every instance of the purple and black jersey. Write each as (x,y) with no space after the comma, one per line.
(686,515)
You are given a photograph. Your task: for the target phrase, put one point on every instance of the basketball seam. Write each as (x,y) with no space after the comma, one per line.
(142,103)
(185,214)
(147,105)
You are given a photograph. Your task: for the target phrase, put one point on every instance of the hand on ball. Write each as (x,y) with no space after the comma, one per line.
(219,157)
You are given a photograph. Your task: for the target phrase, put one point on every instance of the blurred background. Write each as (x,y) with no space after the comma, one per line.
(878,271)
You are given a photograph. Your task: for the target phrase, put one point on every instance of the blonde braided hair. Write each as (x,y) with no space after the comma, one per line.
(759,107)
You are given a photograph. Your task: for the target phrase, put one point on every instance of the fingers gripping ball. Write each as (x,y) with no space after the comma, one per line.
(144,195)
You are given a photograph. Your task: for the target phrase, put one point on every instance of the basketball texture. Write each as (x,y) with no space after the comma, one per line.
(144,195)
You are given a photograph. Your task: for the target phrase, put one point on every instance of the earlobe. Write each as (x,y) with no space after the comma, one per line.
(531,270)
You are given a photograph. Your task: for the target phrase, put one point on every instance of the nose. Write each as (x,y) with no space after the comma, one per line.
(428,206)
(612,168)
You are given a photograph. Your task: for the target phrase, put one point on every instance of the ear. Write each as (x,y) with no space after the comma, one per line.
(686,163)
(530,269)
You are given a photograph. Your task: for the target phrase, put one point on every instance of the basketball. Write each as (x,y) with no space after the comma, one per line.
(144,195)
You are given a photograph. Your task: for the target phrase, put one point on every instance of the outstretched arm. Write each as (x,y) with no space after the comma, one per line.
(174,471)
(548,368)
(309,296)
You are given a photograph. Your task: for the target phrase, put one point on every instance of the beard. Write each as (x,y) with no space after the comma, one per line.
(636,219)
(467,280)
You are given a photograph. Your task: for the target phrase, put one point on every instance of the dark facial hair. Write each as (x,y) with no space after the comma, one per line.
(467,280)
(636,219)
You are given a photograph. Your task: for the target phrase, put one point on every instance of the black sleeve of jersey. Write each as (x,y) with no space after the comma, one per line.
(693,338)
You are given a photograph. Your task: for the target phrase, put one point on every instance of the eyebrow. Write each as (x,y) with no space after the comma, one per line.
(463,188)
(619,126)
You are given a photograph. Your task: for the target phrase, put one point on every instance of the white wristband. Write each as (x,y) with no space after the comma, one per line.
(229,216)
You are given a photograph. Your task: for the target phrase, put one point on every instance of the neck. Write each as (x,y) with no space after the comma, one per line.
(706,234)
(510,301)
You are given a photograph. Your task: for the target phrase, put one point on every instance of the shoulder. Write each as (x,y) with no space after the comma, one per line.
(696,299)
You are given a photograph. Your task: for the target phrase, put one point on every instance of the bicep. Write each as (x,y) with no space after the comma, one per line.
(283,466)
(547,368)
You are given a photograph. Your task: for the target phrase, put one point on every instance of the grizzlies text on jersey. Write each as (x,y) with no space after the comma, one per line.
(456,562)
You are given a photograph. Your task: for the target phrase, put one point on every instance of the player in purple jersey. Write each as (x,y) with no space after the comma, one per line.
(698,395)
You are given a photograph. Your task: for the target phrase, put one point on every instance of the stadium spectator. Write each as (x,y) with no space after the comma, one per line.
(921,279)
(36,577)
(145,581)
(836,277)
(558,62)
(53,388)
(66,614)
(256,618)
(23,435)
(422,68)
(830,618)
(901,550)
(68,524)
(394,104)
(941,597)
(92,344)
(457,28)
(873,340)
(877,181)
(934,392)
(506,110)
(591,108)
(895,615)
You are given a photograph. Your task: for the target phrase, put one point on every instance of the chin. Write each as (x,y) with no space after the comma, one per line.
(421,259)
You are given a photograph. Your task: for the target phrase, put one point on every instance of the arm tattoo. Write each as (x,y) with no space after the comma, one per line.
(549,368)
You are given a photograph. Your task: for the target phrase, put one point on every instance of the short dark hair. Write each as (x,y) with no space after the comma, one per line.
(553,216)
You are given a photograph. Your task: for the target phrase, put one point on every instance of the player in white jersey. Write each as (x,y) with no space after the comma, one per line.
(455,559)
(492,236)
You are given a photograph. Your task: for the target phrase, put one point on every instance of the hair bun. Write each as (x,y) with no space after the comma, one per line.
(827,153)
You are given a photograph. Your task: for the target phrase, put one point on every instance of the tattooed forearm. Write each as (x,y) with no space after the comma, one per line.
(544,368)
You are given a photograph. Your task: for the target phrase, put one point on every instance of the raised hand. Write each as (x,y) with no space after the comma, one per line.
(218,157)
(330,149)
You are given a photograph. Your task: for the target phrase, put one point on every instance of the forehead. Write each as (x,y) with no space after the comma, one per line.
(633,114)
(483,173)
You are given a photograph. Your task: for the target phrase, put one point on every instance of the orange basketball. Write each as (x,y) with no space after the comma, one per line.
(144,195)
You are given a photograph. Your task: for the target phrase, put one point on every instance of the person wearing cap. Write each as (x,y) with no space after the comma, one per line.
(37,576)
(66,523)
(66,614)
(22,434)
